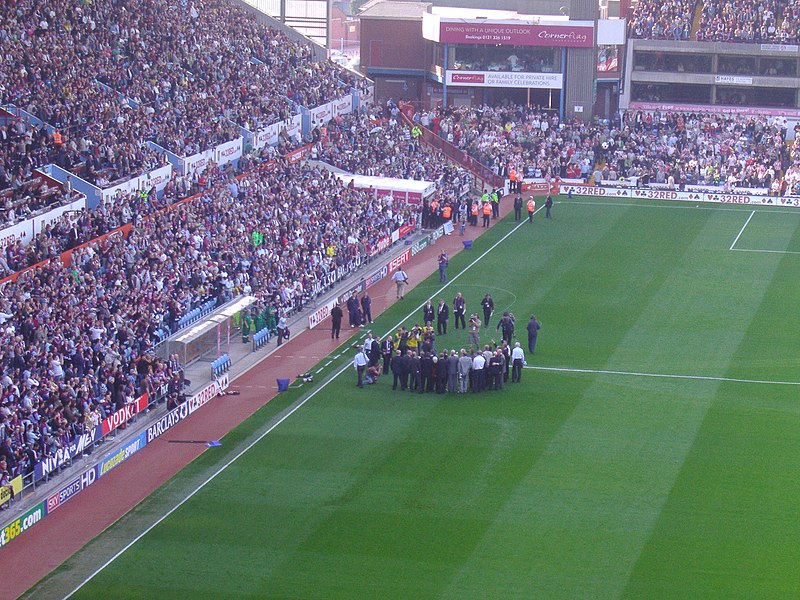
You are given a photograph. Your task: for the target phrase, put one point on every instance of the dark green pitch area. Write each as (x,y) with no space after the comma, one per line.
(573,484)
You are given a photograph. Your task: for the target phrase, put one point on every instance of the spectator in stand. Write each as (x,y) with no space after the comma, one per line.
(738,21)
(670,20)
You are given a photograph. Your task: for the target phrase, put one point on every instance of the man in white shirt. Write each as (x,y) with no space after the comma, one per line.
(517,361)
(401,279)
(360,365)
(478,363)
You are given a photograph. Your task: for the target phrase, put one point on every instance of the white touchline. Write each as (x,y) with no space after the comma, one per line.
(765,251)
(682,205)
(290,412)
(741,231)
(660,375)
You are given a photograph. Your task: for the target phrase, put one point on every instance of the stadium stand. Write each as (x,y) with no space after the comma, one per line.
(712,150)
(108,76)
(739,21)
(654,20)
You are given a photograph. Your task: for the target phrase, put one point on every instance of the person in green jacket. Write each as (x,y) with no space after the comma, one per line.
(247,325)
(272,318)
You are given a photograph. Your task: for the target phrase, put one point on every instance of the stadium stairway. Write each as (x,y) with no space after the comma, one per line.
(698,13)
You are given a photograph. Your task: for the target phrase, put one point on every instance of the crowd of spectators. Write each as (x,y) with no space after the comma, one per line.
(77,341)
(739,21)
(712,150)
(379,143)
(734,21)
(657,20)
(108,76)
(528,138)
(789,31)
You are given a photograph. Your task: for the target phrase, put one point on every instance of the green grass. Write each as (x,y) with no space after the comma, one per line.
(569,485)
(771,231)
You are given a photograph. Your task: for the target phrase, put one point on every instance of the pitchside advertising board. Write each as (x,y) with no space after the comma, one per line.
(114,460)
(124,414)
(650,194)
(22,523)
(176,415)
(66,453)
(78,484)
(111,461)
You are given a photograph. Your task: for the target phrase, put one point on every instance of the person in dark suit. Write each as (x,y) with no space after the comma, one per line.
(399,374)
(488,308)
(366,309)
(414,380)
(442,315)
(352,310)
(428,312)
(533,330)
(441,373)
(459,310)
(426,373)
(387,350)
(337,314)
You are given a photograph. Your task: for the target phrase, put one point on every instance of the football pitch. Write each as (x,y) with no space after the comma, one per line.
(651,450)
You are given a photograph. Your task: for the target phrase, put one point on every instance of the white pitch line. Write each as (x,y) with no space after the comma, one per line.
(765,251)
(741,231)
(660,375)
(269,430)
(683,205)
(294,409)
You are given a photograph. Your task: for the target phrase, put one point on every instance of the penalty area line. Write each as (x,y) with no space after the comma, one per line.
(660,375)
(741,231)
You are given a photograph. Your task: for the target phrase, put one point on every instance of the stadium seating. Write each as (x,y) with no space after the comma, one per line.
(221,365)
(260,338)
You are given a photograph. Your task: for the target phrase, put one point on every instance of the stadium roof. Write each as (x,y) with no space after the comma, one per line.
(409,10)
(394,9)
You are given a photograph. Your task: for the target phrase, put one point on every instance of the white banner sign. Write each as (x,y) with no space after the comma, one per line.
(651,194)
(342,106)
(228,152)
(509,79)
(197,163)
(780,47)
(367,97)
(322,114)
(158,178)
(293,125)
(269,135)
(733,80)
